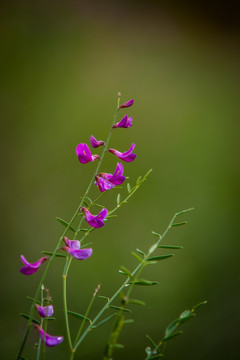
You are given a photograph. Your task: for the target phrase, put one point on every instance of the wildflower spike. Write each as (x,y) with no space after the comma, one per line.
(95,143)
(84,154)
(126,156)
(31,268)
(95,221)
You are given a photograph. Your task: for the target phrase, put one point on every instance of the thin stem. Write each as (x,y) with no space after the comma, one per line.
(66,269)
(84,319)
(65,272)
(126,283)
(40,339)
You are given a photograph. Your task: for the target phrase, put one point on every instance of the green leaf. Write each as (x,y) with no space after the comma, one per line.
(77,316)
(151,341)
(179,224)
(144,282)
(137,257)
(152,248)
(147,174)
(118,199)
(170,247)
(169,330)
(25,316)
(111,216)
(84,230)
(137,302)
(161,257)
(103,297)
(128,321)
(156,234)
(100,206)
(104,320)
(141,252)
(126,271)
(128,188)
(185,314)
(86,245)
(64,223)
(32,299)
(119,308)
(200,304)
(138,180)
(184,211)
(173,335)
(51,253)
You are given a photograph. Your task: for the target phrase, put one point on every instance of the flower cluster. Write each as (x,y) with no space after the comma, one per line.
(106,181)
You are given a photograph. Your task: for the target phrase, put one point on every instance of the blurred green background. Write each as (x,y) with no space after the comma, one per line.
(62,64)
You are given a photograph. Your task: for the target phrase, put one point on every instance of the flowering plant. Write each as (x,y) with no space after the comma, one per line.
(76,248)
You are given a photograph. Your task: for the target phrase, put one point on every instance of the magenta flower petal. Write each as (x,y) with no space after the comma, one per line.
(127,156)
(103,184)
(73,244)
(44,311)
(95,221)
(84,154)
(117,177)
(127,104)
(81,254)
(31,268)
(49,339)
(95,143)
(124,123)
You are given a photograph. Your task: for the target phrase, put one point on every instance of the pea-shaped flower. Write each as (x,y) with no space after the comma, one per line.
(106,181)
(44,311)
(73,248)
(124,123)
(126,104)
(48,339)
(84,154)
(127,156)
(95,221)
(31,268)
(95,143)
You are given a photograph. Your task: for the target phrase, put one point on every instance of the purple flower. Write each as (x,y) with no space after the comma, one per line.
(84,154)
(126,104)
(103,184)
(29,268)
(73,244)
(80,254)
(49,339)
(95,221)
(95,143)
(73,248)
(105,181)
(117,177)
(125,156)
(124,123)
(44,311)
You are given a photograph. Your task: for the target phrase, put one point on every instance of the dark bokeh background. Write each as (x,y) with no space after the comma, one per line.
(62,64)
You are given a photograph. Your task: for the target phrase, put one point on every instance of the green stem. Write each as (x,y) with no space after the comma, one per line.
(65,272)
(126,282)
(40,339)
(61,238)
(84,320)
